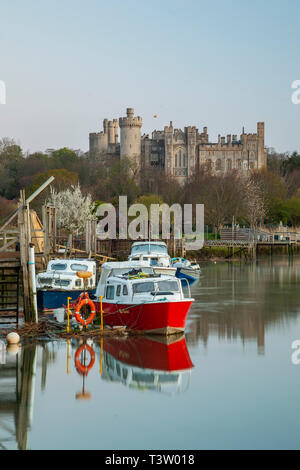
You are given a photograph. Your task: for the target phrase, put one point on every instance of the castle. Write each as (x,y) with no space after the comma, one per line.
(178,152)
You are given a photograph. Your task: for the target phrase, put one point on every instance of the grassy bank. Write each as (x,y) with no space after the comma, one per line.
(224,253)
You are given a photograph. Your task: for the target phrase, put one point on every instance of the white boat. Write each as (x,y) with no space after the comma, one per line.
(154,252)
(157,254)
(60,281)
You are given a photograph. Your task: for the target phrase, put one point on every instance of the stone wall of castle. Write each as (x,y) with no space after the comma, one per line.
(179,152)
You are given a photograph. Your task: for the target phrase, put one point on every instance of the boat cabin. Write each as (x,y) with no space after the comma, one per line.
(61,275)
(136,282)
(154,252)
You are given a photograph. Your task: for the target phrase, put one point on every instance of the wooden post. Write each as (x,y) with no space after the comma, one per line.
(94,237)
(88,236)
(24,256)
(46,232)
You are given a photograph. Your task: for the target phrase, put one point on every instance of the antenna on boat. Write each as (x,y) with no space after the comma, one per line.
(149,236)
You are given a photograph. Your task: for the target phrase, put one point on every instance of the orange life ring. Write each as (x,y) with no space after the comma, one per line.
(83,369)
(85,301)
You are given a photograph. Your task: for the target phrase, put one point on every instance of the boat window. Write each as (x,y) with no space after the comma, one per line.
(110,292)
(45,280)
(118,290)
(79,267)
(78,283)
(141,287)
(154,262)
(165,286)
(149,249)
(59,267)
(143,377)
(62,282)
(125,290)
(168,378)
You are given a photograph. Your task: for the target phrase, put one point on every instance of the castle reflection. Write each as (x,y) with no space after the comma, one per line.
(239,301)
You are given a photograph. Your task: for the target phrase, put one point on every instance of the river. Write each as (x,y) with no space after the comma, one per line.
(232,383)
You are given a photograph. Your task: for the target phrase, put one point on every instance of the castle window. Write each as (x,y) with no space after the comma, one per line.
(229,164)
(208,164)
(239,164)
(218,164)
(180,159)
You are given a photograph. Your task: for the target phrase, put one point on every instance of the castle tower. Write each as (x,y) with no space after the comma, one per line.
(116,126)
(169,157)
(130,138)
(99,141)
(111,132)
(261,154)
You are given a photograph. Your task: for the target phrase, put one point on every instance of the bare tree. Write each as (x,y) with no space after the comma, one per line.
(255,206)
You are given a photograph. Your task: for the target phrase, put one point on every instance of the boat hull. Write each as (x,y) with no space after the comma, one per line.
(161,318)
(52,299)
(190,275)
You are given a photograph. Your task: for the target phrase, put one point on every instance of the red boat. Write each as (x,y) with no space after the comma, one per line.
(135,297)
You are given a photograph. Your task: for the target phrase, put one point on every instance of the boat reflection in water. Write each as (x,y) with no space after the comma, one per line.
(160,364)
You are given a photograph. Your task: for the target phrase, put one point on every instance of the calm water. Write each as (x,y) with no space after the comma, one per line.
(230,384)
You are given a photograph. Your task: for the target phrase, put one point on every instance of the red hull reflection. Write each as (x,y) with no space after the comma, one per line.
(165,354)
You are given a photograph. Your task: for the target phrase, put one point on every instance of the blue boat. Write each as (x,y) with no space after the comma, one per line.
(186,270)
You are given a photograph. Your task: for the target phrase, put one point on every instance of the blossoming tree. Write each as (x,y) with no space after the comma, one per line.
(73,208)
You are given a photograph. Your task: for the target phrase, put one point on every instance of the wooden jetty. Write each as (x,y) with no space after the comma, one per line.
(21,231)
(248,242)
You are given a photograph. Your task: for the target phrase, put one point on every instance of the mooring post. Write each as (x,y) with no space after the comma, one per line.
(33,282)
(24,256)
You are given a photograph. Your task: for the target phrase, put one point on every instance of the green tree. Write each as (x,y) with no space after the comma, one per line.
(63,158)
(63,180)
(11,159)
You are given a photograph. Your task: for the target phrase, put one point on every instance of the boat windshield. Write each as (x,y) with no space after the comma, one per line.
(62,282)
(148,248)
(141,287)
(160,286)
(79,267)
(181,262)
(168,286)
(59,267)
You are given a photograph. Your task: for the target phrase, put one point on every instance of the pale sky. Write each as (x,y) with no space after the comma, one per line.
(68,64)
